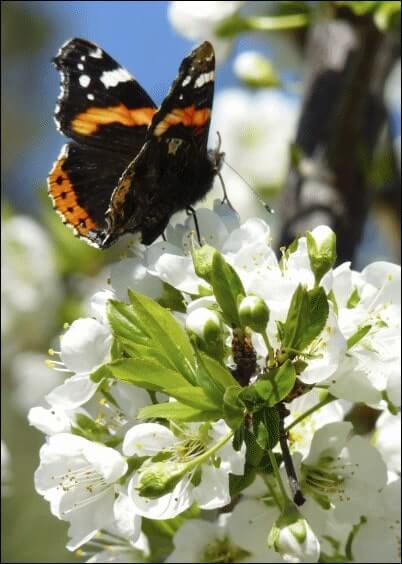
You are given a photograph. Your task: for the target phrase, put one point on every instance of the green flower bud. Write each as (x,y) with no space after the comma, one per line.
(206,326)
(254,313)
(160,478)
(293,538)
(321,246)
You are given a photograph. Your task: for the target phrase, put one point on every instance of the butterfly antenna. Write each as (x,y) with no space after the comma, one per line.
(266,206)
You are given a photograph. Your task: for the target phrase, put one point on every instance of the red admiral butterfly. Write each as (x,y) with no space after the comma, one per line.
(130,165)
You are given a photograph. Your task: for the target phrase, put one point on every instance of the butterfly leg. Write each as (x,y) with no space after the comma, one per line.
(191,211)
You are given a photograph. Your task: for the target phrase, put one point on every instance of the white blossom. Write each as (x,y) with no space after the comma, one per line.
(239,536)
(212,491)
(387,439)
(343,471)
(84,347)
(78,478)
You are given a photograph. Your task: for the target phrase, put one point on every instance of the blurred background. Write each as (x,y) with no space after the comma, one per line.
(287,104)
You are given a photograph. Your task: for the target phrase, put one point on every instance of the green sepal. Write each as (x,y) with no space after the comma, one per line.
(227,286)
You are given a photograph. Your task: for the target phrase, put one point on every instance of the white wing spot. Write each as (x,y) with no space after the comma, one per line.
(84,80)
(83,57)
(97,54)
(186,81)
(204,79)
(90,97)
(114,77)
(80,66)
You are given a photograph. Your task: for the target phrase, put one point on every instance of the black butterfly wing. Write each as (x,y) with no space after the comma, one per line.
(80,185)
(173,169)
(107,113)
(186,111)
(100,104)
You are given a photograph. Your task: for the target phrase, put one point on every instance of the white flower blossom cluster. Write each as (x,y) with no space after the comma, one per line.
(168,422)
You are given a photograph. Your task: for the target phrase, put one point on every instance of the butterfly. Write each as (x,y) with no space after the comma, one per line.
(130,165)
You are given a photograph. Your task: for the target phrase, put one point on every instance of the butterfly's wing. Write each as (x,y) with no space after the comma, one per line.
(173,169)
(107,113)
(100,103)
(80,185)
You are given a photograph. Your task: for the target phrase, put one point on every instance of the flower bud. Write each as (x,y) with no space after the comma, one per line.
(321,245)
(254,313)
(293,538)
(255,70)
(160,478)
(207,327)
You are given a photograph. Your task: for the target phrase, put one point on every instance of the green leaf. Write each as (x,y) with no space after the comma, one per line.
(202,260)
(138,350)
(266,427)
(277,384)
(148,374)
(165,332)
(322,258)
(227,286)
(353,299)
(239,483)
(124,323)
(176,411)
(358,336)
(86,427)
(318,310)
(172,298)
(101,373)
(219,373)
(116,351)
(254,452)
(307,315)
(297,313)
(238,437)
(193,396)
(233,408)
(251,398)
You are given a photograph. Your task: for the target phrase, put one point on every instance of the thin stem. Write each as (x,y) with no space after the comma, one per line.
(315,407)
(272,491)
(207,454)
(269,347)
(278,477)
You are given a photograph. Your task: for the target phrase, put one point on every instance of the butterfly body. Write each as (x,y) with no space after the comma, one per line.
(130,165)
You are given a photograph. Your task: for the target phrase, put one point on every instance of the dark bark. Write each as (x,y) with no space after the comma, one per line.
(342,118)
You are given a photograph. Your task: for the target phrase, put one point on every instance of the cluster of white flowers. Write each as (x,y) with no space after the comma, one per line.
(320,340)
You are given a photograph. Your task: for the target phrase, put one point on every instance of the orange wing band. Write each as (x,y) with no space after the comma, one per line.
(88,122)
(65,200)
(189,117)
